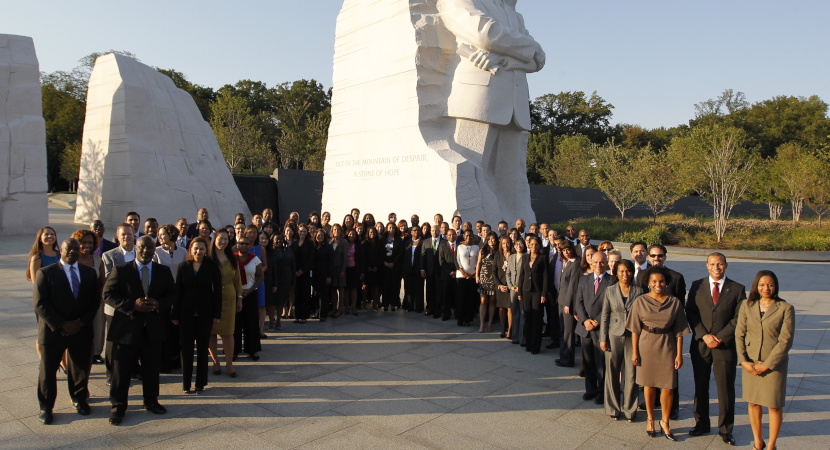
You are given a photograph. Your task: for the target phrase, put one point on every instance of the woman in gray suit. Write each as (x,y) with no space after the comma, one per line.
(568,281)
(514,272)
(763,337)
(615,340)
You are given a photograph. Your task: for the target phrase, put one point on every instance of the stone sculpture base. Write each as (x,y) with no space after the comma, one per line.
(23,183)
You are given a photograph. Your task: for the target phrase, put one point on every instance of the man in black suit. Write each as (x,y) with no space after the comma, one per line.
(554,271)
(140,292)
(193,228)
(588,303)
(429,270)
(712,310)
(65,299)
(446,273)
(639,253)
(676,286)
(104,244)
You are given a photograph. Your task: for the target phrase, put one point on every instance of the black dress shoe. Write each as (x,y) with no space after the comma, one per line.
(598,400)
(587,396)
(727,438)
(255,357)
(582,373)
(116,417)
(698,431)
(45,416)
(559,363)
(155,408)
(551,346)
(97,359)
(673,415)
(82,408)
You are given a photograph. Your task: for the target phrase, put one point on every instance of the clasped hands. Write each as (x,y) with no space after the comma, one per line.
(590,324)
(71,327)
(146,304)
(712,341)
(754,368)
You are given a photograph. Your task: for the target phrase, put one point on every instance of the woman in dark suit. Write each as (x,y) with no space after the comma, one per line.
(321,274)
(533,286)
(282,271)
(514,272)
(372,259)
(197,306)
(392,248)
(413,281)
(354,269)
(568,282)
(763,338)
(338,281)
(304,253)
(615,340)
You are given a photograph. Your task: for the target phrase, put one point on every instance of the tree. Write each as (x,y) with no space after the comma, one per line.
(784,119)
(716,164)
(303,115)
(574,113)
(540,152)
(791,164)
(614,175)
(728,103)
(237,133)
(64,117)
(769,188)
(818,191)
(70,161)
(571,165)
(659,185)
(203,96)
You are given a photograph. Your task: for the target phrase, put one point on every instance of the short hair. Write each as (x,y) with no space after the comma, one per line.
(124,225)
(171,231)
(719,255)
(503,223)
(151,219)
(614,251)
(660,246)
(634,244)
(78,235)
(624,263)
(656,269)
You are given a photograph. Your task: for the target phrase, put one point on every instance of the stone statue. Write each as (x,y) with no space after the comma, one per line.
(146,148)
(23,183)
(437,108)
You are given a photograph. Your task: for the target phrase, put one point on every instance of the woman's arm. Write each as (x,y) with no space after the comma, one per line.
(678,360)
(635,349)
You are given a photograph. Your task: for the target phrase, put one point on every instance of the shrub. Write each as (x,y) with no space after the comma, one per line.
(657,234)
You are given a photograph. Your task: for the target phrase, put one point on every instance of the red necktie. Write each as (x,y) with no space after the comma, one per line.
(596,285)
(715,293)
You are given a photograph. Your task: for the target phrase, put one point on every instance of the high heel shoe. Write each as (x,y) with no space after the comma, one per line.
(669,435)
(763,446)
(650,424)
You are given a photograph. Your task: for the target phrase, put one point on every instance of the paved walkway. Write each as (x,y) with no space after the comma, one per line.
(393,380)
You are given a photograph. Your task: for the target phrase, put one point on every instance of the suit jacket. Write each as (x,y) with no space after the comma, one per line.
(568,282)
(104,246)
(397,252)
(412,263)
(122,289)
(446,260)
(340,256)
(534,278)
(765,339)
(514,269)
(720,320)
(429,256)
(615,310)
(552,257)
(198,293)
(479,94)
(55,304)
(588,304)
(676,283)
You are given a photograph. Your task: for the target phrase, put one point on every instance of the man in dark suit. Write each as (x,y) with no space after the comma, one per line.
(429,270)
(588,302)
(65,299)
(639,253)
(193,228)
(139,292)
(712,310)
(551,306)
(676,285)
(104,244)
(446,273)
(124,253)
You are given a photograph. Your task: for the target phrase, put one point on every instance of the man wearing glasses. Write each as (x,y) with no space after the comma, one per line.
(676,286)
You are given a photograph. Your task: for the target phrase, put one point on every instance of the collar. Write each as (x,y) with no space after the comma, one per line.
(149,265)
(66,266)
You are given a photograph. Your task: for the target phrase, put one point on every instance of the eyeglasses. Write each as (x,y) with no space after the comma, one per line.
(656,256)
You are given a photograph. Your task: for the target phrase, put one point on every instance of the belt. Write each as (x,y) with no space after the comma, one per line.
(657,330)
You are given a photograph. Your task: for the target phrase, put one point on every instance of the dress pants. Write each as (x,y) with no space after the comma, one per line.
(99,336)
(620,397)
(194,329)
(302,297)
(725,372)
(124,358)
(593,363)
(414,288)
(321,298)
(79,357)
(466,299)
(533,310)
(432,295)
(391,296)
(517,335)
(552,320)
(567,325)
(247,326)
(446,296)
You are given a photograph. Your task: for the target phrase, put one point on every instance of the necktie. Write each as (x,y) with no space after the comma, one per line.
(596,284)
(145,279)
(452,246)
(76,282)
(715,293)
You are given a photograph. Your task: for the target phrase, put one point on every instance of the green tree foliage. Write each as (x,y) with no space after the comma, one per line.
(540,152)
(818,193)
(70,161)
(203,96)
(304,114)
(769,188)
(791,165)
(573,113)
(239,137)
(571,165)
(63,113)
(659,184)
(782,119)
(614,175)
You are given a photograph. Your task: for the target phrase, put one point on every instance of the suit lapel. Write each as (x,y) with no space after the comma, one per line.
(770,312)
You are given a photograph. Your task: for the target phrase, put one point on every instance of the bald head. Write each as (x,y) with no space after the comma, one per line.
(599,262)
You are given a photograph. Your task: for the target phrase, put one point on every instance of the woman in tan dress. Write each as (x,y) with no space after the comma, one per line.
(763,337)
(220,252)
(657,323)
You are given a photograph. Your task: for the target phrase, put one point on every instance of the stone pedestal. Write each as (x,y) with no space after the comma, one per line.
(393,145)
(23,183)
(146,148)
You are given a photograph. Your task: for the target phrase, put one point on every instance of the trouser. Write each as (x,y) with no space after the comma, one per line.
(302,297)
(322,298)
(567,324)
(391,287)
(124,358)
(432,295)
(725,372)
(247,326)
(98,332)
(194,329)
(446,291)
(79,356)
(533,310)
(414,288)
(593,363)
(620,388)
(466,299)
(552,319)
(518,332)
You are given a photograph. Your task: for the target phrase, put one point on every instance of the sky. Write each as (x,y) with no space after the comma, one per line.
(653,60)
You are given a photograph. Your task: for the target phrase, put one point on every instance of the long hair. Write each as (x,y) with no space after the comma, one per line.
(78,235)
(486,249)
(211,253)
(510,249)
(37,248)
(754,295)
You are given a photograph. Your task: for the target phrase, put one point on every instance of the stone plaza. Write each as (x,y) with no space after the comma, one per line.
(394,380)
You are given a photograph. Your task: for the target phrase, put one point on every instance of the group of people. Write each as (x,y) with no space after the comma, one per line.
(173,291)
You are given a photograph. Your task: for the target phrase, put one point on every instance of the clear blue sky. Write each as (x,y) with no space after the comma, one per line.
(653,60)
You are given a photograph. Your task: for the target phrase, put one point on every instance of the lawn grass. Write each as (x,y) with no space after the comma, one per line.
(741,233)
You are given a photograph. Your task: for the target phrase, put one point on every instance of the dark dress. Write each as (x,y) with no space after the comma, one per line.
(372,261)
(304,255)
(502,298)
(487,276)
(281,273)
(322,269)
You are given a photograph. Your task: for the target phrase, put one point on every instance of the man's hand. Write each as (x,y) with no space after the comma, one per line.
(71,327)
(145,305)
(590,324)
(711,341)
(604,347)
(567,310)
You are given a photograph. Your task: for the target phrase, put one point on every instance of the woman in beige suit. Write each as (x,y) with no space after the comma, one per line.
(763,338)
(615,340)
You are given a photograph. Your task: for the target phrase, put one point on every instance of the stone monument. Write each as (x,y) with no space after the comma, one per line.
(146,148)
(430,110)
(22,138)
